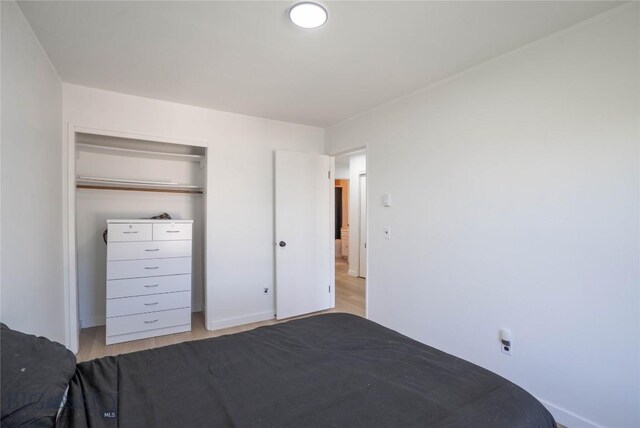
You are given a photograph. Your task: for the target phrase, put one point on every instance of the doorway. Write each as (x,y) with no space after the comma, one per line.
(350,232)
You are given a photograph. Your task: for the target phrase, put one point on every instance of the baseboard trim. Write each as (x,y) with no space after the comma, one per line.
(236,321)
(567,418)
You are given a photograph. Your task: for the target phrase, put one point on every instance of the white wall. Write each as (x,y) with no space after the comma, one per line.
(357,166)
(342,169)
(240,241)
(31,274)
(516,204)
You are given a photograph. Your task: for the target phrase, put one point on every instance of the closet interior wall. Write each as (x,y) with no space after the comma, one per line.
(136,161)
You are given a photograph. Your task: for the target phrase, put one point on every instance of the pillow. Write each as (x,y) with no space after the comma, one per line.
(35,373)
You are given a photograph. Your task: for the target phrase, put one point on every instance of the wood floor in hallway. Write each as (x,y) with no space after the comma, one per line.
(350,297)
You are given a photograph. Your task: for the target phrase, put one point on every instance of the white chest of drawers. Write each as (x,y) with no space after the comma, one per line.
(148,278)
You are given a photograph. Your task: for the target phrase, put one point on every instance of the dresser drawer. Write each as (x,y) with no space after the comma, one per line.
(171,231)
(143,286)
(149,321)
(148,250)
(145,268)
(151,303)
(127,232)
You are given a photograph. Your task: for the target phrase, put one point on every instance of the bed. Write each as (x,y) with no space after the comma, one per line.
(331,370)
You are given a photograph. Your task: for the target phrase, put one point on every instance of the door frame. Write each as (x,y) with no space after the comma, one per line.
(348,151)
(69,252)
(362,238)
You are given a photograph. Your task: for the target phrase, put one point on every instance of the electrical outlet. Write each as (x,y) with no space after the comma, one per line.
(266,290)
(505,349)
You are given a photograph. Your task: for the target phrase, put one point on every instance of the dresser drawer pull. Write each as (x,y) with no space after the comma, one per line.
(151,322)
(173,231)
(152,267)
(151,285)
(153,249)
(130,231)
(151,304)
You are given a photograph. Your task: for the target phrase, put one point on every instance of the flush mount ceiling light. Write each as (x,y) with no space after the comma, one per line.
(308,15)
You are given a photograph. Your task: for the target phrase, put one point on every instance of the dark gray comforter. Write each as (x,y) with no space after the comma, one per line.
(333,370)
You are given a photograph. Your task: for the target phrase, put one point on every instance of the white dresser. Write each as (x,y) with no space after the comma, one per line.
(148,278)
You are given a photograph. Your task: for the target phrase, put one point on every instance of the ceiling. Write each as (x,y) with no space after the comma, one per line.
(246,57)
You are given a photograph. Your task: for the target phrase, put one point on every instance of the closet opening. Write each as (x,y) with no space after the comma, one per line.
(132,180)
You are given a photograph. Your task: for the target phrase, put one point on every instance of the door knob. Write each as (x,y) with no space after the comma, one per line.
(282,244)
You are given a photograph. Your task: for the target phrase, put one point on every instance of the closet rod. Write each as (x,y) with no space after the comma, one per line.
(139,189)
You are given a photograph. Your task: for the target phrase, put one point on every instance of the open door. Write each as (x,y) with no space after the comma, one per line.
(304,233)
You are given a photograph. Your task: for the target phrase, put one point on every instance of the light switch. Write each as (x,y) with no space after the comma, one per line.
(387,232)
(386,200)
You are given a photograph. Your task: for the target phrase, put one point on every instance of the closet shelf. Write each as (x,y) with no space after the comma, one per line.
(136,185)
(84,147)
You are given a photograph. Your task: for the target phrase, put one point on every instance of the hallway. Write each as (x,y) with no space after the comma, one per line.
(350,291)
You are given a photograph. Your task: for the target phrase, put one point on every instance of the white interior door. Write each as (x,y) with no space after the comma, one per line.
(363,226)
(304,233)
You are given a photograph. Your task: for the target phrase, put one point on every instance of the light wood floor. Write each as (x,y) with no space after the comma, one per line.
(350,297)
